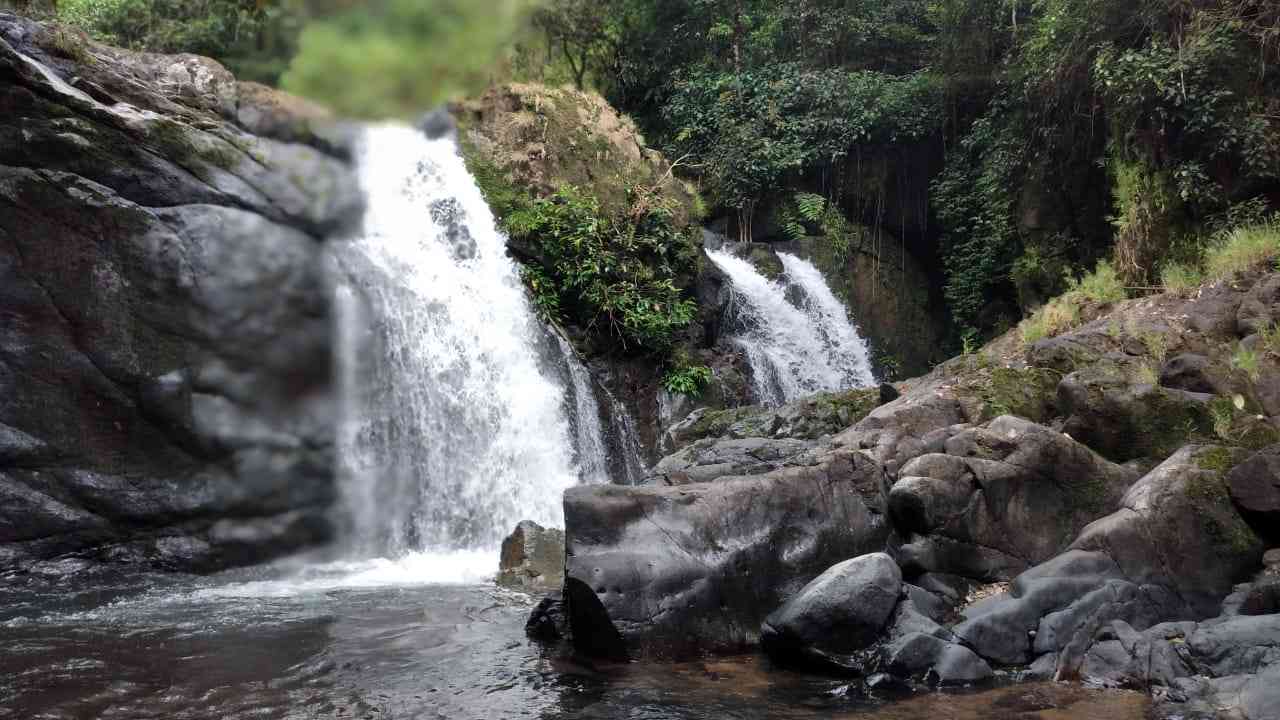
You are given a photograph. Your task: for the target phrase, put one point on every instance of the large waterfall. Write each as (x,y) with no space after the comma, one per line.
(794,331)
(453,428)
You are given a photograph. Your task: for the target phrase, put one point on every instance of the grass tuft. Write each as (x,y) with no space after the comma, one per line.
(1243,248)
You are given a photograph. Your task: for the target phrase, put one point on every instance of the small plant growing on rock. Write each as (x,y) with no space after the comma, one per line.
(1246,361)
(1148,374)
(1270,338)
(1103,285)
(688,380)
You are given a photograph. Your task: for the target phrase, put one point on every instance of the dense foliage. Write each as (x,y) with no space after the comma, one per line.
(1012,144)
(615,274)
(1064,131)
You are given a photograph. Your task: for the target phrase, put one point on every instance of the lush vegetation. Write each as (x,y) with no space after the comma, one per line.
(1011,144)
(618,274)
(1049,134)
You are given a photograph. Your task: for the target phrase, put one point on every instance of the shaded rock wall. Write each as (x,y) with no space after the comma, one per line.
(164,319)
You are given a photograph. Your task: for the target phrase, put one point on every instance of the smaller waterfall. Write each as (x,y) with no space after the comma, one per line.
(796,334)
(592,453)
(629,463)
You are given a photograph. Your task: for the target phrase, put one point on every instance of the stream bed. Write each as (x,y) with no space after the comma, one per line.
(359,640)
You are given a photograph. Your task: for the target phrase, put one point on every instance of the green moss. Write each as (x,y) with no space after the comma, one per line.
(716,423)
(68,43)
(1218,516)
(852,406)
(765,260)
(1215,459)
(178,143)
(1025,392)
(1089,495)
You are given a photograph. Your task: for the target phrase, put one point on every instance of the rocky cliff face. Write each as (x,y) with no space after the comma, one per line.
(164,321)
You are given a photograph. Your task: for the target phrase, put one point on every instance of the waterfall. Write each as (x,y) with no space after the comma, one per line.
(452,430)
(629,465)
(592,451)
(795,333)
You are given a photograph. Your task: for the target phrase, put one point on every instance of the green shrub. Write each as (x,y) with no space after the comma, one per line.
(1247,361)
(688,380)
(254,39)
(615,274)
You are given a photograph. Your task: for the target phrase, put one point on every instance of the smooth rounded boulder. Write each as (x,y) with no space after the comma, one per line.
(837,615)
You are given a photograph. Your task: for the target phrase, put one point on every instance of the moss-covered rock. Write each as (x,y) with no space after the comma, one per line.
(541,139)
(807,419)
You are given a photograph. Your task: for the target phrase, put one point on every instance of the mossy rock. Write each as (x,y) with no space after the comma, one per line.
(1208,490)
(806,419)
(765,260)
(989,391)
(541,139)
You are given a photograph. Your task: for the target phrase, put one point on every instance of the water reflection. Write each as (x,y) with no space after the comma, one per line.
(101,644)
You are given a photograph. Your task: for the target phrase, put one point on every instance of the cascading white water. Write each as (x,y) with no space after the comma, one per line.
(592,451)
(452,433)
(795,333)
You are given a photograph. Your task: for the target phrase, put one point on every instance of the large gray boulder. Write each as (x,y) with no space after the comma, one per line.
(1000,498)
(1171,552)
(670,572)
(164,385)
(839,613)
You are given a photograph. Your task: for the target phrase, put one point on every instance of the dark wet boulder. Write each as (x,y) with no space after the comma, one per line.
(1004,496)
(165,393)
(1260,307)
(1172,551)
(935,661)
(532,558)
(1197,374)
(893,433)
(839,614)
(547,623)
(671,572)
(1255,489)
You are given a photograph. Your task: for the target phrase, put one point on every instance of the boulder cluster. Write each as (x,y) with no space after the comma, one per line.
(1096,506)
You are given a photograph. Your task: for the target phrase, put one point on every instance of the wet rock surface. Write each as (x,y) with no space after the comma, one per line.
(679,571)
(532,558)
(164,308)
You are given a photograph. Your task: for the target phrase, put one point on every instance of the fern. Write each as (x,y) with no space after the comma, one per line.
(811,207)
(791,225)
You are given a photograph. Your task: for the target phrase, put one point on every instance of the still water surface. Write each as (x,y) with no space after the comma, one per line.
(356,641)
